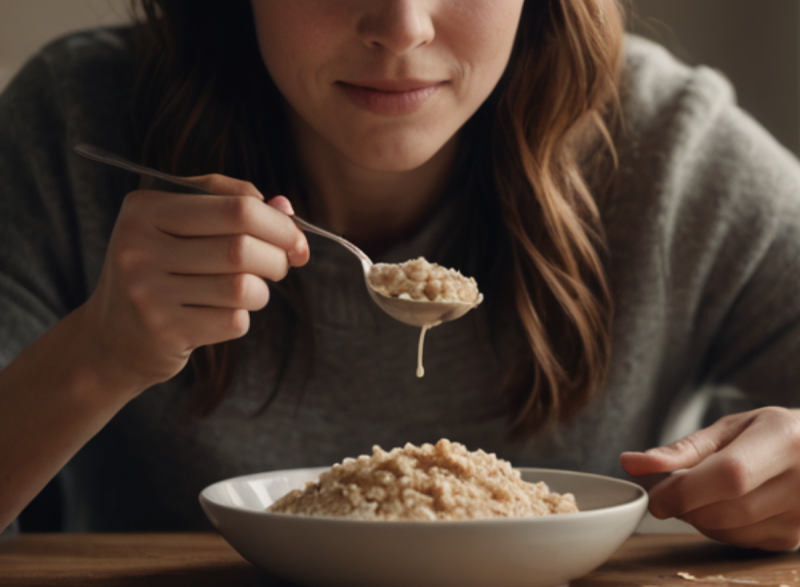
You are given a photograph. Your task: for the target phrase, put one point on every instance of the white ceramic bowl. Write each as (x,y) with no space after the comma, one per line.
(533,552)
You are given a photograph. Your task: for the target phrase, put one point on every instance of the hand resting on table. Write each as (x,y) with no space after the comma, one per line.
(741,482)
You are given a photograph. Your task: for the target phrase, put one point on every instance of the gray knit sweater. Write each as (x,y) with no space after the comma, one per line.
(704,237)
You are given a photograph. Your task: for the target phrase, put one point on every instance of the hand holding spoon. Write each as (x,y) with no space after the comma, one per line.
(421,313)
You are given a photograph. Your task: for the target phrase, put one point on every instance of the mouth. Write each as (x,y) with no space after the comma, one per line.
(390,97)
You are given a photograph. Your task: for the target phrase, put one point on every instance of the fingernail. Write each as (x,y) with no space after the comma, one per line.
(283,204)
(296,255)
(628,453)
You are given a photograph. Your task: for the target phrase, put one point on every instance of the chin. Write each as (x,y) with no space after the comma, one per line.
(391,165)
(393,157)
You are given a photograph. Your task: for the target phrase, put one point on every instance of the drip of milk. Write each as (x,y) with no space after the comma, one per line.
(420,368)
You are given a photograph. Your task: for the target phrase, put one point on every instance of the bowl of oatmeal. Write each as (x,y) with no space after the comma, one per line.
(437,515)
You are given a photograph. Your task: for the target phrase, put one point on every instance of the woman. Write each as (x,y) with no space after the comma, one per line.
(633,233)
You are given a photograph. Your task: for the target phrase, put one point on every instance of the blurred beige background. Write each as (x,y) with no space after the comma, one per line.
(25,25)
(756,43)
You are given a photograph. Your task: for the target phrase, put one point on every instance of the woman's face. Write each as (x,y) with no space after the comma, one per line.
(385,83)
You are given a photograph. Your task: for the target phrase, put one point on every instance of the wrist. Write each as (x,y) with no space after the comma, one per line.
(95,370)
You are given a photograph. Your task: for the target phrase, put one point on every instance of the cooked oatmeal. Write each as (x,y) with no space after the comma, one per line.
(421,280)
(444,481)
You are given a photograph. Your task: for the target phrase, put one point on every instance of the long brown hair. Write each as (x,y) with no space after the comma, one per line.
(205,103)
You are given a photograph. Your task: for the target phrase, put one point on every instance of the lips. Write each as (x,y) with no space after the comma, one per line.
(390,97)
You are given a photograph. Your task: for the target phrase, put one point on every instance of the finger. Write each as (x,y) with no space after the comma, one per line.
(239,290)
(222,185)
(283,204)
(182,329)
(765,449)
(686,452)
(779,533)
(225,255)
(178,215)
(201,326)
(770,499)
(299,253)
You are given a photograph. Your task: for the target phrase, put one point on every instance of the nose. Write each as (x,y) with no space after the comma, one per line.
(398,26)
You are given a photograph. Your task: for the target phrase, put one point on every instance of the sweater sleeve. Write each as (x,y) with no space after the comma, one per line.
(57,210)
(40,268)
(752,288)
(710,232)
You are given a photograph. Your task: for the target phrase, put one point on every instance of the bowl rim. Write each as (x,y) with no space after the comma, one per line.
(639,501)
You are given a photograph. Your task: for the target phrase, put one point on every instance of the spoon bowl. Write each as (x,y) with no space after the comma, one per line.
(418,313)
(412,312)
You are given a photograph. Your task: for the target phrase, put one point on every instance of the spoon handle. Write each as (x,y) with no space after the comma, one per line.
(365,260)
(103,156)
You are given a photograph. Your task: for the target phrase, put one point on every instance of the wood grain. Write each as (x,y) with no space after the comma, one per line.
(206,560)
(658,560)
(123,560)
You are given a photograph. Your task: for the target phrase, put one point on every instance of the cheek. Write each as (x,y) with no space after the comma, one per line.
(266,15)
(295,35)
(481,33)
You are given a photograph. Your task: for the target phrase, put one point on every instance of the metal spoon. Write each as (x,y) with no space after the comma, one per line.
(419,313)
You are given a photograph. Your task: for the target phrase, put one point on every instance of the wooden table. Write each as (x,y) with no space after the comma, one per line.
(205,559)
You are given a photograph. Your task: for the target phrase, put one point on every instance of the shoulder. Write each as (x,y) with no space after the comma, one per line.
(703,226)
(79,77)
(681,110)
(80,57)
(684,139)
(76,89)
(705,196)
(657,87)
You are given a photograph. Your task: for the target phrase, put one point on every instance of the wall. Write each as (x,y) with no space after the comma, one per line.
(26,25)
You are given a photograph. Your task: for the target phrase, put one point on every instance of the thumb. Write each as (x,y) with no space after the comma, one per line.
(686,452)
